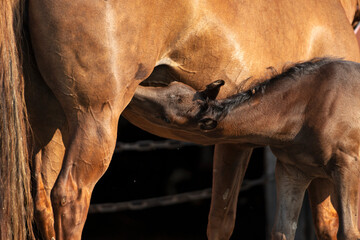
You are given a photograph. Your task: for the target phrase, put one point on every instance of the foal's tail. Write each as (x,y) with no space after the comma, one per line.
(16,207)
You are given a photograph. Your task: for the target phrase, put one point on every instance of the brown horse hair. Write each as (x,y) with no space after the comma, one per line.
(16,206)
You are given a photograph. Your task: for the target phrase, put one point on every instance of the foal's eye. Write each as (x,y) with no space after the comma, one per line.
(165,119)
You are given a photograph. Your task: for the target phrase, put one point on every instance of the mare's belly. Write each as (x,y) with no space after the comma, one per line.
(240,51)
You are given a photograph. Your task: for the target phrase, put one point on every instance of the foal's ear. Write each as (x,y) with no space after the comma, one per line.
(212,90)
(207,124)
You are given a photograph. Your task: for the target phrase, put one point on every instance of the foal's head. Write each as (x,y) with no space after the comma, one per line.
(180,105)
(186,107)
(176,105)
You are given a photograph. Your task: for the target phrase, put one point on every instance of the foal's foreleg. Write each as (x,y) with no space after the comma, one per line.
(230,163)
(291,184)
(345,175)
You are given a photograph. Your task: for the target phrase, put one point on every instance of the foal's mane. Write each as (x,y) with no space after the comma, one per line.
(290,71)
(218,109)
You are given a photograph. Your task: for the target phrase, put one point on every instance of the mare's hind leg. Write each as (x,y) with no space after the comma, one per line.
(230,163)
(86,60)
(324,214)
(345,174)
(291,184)
(43,211)
(87,156)
(47,165)
(46,118)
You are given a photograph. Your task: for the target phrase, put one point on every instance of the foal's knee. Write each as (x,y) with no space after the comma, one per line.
(278,236)
(221,228)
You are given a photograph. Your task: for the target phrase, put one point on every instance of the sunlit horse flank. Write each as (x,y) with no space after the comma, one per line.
(309,117)
(88,57)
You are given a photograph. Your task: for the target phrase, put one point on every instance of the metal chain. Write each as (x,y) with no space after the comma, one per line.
(168,200)
(148,145)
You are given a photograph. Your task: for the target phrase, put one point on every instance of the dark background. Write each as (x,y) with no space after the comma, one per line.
(136,175)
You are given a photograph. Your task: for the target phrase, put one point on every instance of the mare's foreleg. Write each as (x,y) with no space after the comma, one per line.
(291,184)
(324,214)
(230,163)
(345,175)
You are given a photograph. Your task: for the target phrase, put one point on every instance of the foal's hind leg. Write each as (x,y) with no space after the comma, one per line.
(230,163)
(291,184)
(345,174)
(324,214)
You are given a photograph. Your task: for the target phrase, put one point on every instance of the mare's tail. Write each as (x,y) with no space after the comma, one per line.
(16,207)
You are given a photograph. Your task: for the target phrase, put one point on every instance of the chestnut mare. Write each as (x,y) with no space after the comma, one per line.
(82,62)
(305,115)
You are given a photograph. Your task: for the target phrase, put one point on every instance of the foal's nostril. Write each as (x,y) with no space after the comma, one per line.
(207,124)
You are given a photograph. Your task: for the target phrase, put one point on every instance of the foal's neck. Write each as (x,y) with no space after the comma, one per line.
(275,116)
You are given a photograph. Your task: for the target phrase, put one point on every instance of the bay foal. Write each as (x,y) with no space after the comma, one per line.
(309,116)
